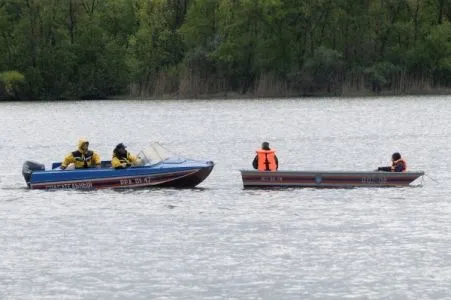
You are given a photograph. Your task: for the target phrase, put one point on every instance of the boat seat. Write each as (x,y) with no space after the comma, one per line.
(104,164)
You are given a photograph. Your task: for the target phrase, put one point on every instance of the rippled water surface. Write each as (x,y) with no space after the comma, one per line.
(219,241)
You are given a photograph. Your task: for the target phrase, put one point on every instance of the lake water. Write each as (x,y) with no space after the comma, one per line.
(219,241)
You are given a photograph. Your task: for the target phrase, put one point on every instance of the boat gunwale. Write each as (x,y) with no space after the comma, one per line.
(383,173)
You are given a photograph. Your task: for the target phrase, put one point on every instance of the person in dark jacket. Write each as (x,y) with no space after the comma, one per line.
(398,164)
(266,159)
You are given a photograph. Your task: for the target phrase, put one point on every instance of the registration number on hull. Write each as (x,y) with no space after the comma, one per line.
(271,178)
(133,181)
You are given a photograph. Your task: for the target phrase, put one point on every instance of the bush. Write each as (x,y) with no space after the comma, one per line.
(380,75)
(12,84)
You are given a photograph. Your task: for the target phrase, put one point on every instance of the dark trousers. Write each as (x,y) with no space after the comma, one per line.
(385,169)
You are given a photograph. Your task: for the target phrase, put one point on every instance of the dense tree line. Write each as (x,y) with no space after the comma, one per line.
(66,49)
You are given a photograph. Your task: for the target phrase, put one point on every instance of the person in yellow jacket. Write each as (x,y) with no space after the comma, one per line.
(122,158)
(266,159)
(82,157)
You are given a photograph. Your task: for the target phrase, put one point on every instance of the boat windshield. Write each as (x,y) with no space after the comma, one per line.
(155,153)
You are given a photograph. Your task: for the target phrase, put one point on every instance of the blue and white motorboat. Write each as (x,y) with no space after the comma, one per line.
(158,168)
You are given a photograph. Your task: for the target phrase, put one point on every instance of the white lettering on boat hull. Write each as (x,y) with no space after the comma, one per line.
(80,185)
(374,180)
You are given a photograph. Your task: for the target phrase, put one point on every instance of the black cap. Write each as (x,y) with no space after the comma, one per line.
(121,145)
(396,156)
(265,145)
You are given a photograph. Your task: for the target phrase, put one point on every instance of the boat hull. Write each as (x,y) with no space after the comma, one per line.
(139,177)
(320,179)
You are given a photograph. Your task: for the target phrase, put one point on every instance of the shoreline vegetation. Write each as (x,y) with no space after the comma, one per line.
(280,90)
(211,49)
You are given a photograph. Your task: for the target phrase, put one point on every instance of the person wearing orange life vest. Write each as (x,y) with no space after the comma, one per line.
(398,164)
(266,159)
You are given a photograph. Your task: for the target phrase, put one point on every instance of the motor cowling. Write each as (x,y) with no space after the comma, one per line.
(29,167)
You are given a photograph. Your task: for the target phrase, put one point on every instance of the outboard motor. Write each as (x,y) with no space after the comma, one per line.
(29,167)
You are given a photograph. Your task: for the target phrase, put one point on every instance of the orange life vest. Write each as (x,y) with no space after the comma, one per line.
(398,162)
(266,160)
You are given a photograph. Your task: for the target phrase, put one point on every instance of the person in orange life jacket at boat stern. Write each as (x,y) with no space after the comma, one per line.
(266,159)
(398,164)
(122,158)
(82,157)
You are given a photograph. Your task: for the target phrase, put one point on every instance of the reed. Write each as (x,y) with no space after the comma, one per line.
(269,86)
(194,84)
